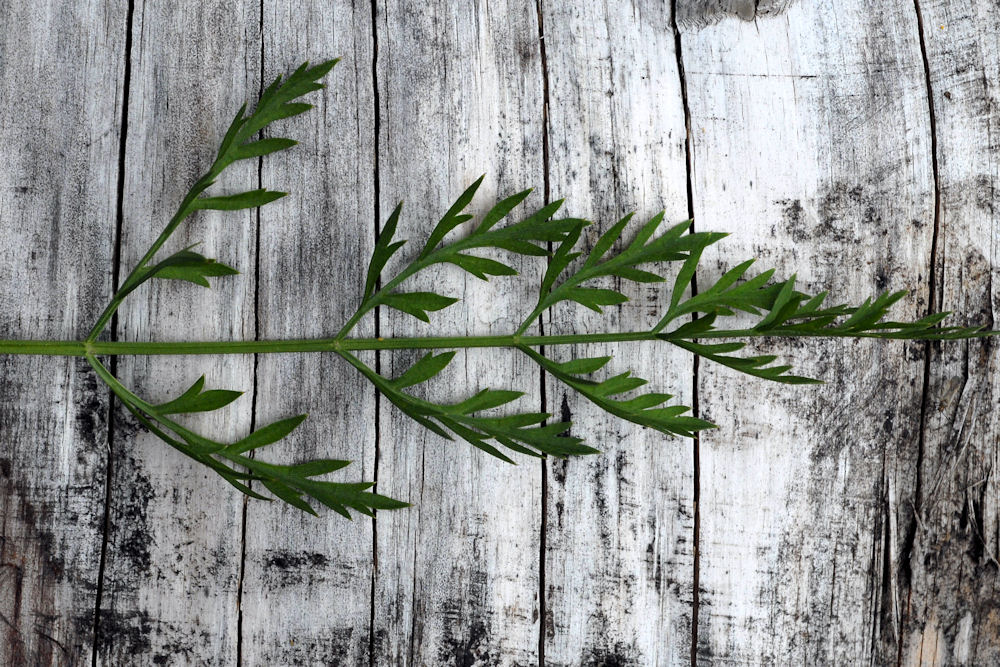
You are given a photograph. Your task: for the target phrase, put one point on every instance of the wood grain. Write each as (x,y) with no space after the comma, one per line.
(61,82)
(618,567)
(692,13)
(812,146)
(852,142)
(174,546)
(315,573)
(460,92)
(951,596)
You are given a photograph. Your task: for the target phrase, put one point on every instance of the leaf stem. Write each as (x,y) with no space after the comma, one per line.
(376,298)
(74,348)
(419,264)
(129,284)
(534,315)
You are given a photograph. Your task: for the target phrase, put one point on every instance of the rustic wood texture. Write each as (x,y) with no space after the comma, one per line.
(953,603)
(705,12)
(460,94)
(315,576)
(812,146)
(619,570)
(59,125)
(175,533)
(851,142)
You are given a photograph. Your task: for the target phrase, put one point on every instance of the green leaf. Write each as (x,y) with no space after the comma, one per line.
(536,227)
(276,102)
(240,486)
(692,328)
(452,218)
(317,467)
(779,309)
(521,247)
(266,435)
(234,128)
(415,410)
(758,366)
(289,495)
(487,399)
(646,232)
(607,240)
(690,266)
(583,366)
(384,250)
(560,260)
(594,298)
(380,502)
(340,497)
(640,410)
(618,384)
(424,369)
(250,199)
(481,267)
(189,266)
(263,147)
(637,275)
(872,312)
(500,210)
(418,303)
(292,109)
(196,400)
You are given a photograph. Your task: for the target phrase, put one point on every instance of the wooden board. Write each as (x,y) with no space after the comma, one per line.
(848,523)
(812,146)
(951,596)
(460,94)
(619,558)
(315,573)
(174,544)
(60,126)
(704,12)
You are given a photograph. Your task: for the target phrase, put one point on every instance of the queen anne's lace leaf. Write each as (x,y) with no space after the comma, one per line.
(592,279)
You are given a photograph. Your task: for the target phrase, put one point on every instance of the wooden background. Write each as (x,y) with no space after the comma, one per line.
(851,141)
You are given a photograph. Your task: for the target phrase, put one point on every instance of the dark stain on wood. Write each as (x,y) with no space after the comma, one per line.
(472,649)
(700,13)
(29,572)
(618,655)
(125,634)
(132,534)
(91,411)
(333,647)
(287,560)
(283,568)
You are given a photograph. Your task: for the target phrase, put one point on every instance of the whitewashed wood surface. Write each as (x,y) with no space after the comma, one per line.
(853,142)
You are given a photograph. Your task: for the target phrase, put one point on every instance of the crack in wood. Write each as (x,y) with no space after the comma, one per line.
(932,306)
(116,278)
(372,648)
(542,612)
(256,369)
(695,408)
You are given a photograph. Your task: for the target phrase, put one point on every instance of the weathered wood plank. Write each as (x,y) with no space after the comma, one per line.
(170,590)
(619,556)
(61,80)
(702,12)
(460,92)
(812,147)
(812,144)
(952,598)
(307,583)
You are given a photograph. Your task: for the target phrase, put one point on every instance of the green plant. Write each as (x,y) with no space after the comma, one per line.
(690,323)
